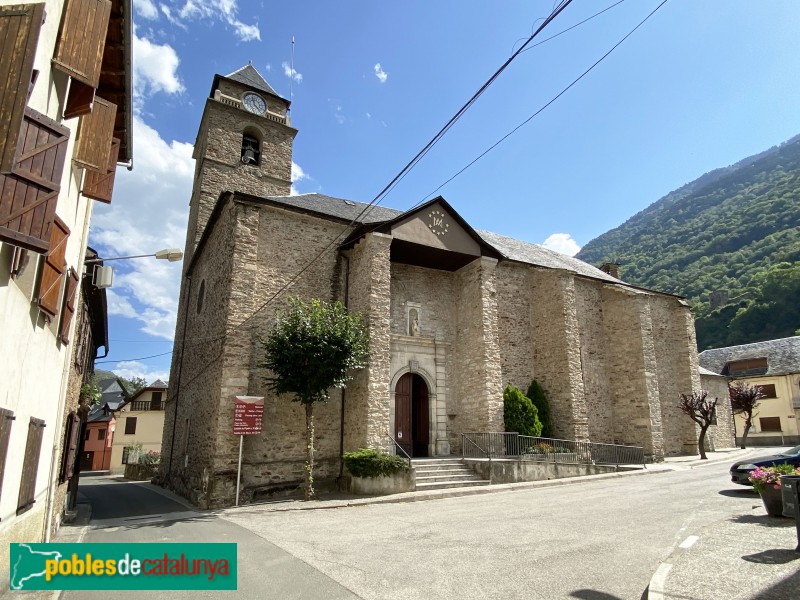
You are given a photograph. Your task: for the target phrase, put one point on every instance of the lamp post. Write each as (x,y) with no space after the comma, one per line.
(103,276)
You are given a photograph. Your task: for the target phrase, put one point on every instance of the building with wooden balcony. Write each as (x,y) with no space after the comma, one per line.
(140,426)
(65,125)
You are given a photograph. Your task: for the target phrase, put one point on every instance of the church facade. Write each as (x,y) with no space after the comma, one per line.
(454,314)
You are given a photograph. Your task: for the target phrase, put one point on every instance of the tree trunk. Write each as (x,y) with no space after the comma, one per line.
(310,494)
(747,425)
(701,442)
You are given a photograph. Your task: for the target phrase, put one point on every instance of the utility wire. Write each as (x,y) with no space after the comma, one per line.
(100,362)
(419,156)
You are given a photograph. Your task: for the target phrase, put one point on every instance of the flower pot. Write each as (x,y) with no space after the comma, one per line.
(773,500)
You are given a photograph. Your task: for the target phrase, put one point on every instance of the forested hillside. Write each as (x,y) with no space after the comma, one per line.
(734,230)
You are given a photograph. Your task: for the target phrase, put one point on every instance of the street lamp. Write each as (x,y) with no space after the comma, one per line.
(103,276)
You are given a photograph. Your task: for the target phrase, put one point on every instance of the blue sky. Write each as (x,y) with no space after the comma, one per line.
(700,85)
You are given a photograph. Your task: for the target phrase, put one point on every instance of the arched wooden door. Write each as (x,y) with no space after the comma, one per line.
(411,422)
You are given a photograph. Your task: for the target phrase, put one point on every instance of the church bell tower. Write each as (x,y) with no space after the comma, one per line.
(244,144)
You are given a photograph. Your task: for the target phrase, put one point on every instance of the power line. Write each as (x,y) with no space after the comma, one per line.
(100,362)
(419,156)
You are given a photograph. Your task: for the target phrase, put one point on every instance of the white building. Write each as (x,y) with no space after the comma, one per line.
(64,125)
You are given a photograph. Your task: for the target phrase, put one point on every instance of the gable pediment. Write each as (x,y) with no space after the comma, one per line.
(436,226)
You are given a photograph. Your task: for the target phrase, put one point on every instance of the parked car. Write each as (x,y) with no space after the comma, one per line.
(741,470)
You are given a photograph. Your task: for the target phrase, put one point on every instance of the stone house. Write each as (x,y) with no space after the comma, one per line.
(65,101)
(774,365)
(453,315)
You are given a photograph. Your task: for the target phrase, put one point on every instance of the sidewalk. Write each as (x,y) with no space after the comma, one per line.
(750,556)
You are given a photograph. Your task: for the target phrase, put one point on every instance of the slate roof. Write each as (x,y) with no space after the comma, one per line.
(250,77)
(97,414)
(704,371)
(158,384)
(783,355)
(509,247)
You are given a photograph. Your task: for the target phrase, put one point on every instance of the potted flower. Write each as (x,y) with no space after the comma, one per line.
(767,482)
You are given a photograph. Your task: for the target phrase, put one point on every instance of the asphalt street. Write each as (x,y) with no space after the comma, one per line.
(596,540)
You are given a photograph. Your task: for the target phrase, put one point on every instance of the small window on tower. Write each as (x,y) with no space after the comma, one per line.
(251,151)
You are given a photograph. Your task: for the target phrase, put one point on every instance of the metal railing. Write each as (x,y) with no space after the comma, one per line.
(523,447)
(395,447)
(139,405)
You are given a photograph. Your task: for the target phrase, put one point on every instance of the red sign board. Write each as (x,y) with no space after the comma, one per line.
(248,413)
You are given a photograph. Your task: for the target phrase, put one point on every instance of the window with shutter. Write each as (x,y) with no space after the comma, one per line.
(130,425)
(68,311)
(81,40)
(53,269)
(95,133)
(100,186)
(28,195)
(30,465)
(71,440)
(6,419)
(19,34)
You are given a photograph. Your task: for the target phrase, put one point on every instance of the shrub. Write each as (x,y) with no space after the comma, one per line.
(519,413)
(153,457)
(373,463)
(539,398)
(764,476)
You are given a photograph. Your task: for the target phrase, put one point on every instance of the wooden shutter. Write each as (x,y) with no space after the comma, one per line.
(19,34)
(80,99)
(30,465)
(82,39)
(28,195)
(71,440)
(100,186)
(6,419)
(53,269)
(95,132)
(69,304)
(130,425)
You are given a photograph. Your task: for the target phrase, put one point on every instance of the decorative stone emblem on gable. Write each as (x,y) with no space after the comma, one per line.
(413,366)
(436,222)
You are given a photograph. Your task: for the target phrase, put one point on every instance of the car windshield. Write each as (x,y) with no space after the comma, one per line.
(792,451)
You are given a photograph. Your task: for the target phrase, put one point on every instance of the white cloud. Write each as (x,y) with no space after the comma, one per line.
(380,73)
(563,243)
(369,115)
(133,368)
(149,213)
(146,9)
(297,175)
(292,73)
(224,10)
(155,69)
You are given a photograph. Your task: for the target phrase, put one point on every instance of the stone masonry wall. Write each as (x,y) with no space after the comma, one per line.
(632,370)
(190,424)
(434,290)
(722,434)
(368,396)
(594,361)
(514,300)
(478,401)
(677,368)
(556,351)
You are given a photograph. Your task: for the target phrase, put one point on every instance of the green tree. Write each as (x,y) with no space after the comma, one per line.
(537,395)
(519,413)
(312,348)
(132,386)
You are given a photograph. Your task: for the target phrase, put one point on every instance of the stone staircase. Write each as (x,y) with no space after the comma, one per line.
(443,473)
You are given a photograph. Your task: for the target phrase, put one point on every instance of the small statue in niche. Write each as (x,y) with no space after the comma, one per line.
(413,323)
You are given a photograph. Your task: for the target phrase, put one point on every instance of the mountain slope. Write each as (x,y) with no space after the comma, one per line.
(724,231)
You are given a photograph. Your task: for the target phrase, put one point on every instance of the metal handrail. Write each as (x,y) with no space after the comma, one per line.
(396,446)
(486,453)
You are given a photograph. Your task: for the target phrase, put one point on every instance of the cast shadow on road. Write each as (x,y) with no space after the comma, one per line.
(777,556)
(763,520)
(585,594)
(749,493)
(158,521)
(786,588)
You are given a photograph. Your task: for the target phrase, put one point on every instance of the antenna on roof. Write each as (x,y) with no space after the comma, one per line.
(291,77)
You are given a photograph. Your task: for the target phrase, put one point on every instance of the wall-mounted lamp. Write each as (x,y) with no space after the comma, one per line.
(103,277)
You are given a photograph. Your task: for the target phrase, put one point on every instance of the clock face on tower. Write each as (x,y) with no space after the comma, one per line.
(254,103)
(436,222)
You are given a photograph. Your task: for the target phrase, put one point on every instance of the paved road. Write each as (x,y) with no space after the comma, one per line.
(597,540)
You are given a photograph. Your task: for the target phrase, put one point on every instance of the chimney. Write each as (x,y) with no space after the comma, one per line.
(612,268)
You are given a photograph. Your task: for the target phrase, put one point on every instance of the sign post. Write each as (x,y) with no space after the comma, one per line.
(248,415)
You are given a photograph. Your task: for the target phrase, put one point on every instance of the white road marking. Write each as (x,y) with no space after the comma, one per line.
(656,589)
(689,541)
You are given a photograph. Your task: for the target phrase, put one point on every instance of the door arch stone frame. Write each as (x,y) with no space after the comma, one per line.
(431,383)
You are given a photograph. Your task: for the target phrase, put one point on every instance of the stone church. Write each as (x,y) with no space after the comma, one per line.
(454,314)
